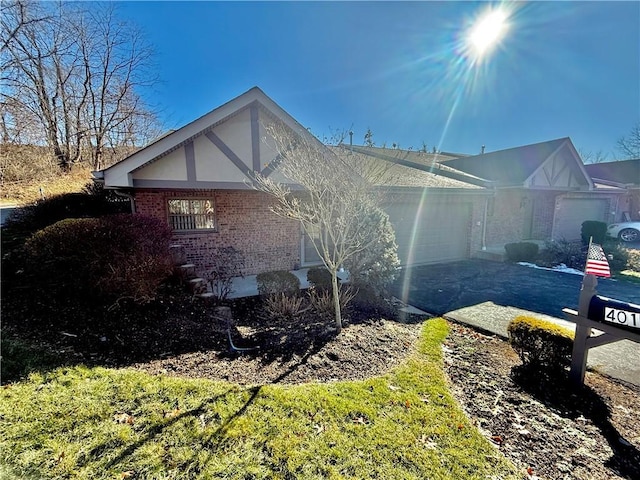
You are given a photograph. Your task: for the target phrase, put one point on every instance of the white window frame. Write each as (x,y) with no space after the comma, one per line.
(193,220)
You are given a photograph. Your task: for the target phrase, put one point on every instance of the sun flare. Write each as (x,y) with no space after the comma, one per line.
(487,32)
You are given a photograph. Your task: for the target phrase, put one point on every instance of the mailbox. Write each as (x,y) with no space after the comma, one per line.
(615,312)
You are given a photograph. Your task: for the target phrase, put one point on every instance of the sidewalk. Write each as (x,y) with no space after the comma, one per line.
(620,360)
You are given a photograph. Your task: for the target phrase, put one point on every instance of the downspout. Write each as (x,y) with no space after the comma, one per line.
(129,196)
(485,216)
(484,224)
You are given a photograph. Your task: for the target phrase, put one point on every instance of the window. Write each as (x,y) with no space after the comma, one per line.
(191,214)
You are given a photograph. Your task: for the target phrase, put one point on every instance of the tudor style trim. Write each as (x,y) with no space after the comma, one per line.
(224,148)
(255,137)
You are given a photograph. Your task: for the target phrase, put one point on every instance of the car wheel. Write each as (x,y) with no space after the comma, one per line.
(629,235)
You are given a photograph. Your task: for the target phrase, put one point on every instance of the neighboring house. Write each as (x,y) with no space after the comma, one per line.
(623,174)
(541,191)
(443,206)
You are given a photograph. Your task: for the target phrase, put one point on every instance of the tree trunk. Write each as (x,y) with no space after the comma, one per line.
(336,299)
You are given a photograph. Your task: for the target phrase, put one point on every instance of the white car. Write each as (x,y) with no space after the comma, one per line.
(625,231)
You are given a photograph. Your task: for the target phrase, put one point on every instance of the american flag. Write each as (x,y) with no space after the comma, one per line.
(597,262)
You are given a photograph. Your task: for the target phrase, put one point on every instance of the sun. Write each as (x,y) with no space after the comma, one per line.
(487,32)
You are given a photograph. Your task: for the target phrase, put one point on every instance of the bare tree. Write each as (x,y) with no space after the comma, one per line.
(333,201)
(589,156)
(78,74)
(629,145)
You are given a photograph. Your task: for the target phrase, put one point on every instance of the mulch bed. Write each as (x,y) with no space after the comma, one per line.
(544,425)
(548,430)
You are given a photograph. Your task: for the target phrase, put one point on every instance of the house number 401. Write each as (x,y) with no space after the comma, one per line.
(622,317)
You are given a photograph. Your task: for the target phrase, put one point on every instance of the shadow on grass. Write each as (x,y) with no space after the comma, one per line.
(558,393)
(157,429)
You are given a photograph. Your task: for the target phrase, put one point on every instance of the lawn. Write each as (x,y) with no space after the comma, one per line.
(101,423)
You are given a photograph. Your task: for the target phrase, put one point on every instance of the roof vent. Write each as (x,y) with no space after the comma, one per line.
(482,150)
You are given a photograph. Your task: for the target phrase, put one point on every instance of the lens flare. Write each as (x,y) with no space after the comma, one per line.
(486,33)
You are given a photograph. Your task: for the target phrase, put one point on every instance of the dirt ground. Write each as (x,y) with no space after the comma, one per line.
(548,430)
(545,426)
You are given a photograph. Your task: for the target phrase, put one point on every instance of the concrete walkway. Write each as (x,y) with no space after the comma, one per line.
(619,360)
(248,286)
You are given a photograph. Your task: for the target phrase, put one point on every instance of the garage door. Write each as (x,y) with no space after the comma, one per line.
(439,232)
(572,212)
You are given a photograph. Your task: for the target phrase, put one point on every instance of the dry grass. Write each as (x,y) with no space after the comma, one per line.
(29,171)
(27,191)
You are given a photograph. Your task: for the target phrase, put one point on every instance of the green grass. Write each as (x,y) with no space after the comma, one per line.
(99,423)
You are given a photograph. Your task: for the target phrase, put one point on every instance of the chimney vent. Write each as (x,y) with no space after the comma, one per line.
(482,151)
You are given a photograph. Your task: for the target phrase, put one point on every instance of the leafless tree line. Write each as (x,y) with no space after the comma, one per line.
(71,77)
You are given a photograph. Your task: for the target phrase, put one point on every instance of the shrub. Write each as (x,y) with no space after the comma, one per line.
(278,281)
(376,265)
(521,251)
(322,300)
(281,305)
(617,255)
(595,230)
(633,260)
(562,251)
(226,263)
(320,278)
(540,344)
(100,259)
(27,220)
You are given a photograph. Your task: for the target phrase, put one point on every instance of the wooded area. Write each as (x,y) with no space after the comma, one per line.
(72,79)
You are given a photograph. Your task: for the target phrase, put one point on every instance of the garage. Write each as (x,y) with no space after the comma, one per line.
(437,232)
(571,212)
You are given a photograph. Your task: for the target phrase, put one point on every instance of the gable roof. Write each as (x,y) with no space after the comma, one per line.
(623,172)
(121,173)
(519,165)
(395,171)
(419,163)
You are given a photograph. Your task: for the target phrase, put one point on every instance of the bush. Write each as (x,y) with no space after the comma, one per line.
(617,255)
(561,251)
(278,281)
(281,305)
(100,259)
(226,264)
(27,220)
(521,251)
(595,230)
(376,265)
(320,278)
(633,260)
(322,300)
(540,344)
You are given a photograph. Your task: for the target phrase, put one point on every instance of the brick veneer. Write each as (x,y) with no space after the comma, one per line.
(243,220)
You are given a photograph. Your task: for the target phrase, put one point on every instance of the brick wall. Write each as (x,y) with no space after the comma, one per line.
(518,214)
(243,220)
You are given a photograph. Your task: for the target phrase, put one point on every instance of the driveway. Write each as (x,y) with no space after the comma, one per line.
(488,295)
(439,289)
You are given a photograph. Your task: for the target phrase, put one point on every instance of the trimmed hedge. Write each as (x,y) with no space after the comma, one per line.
(320,278)
(541,344)
(278,281)
(99,259)
(27,220)
(521,251)
(595,230)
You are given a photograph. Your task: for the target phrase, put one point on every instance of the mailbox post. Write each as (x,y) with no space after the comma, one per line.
(617,320)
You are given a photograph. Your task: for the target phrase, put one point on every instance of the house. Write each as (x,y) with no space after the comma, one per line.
(623,174)
(542,191)
(443,206)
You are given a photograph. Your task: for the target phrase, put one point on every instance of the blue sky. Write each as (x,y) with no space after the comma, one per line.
(563,68)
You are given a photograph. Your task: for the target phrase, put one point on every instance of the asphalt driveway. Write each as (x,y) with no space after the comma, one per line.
(442,288)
